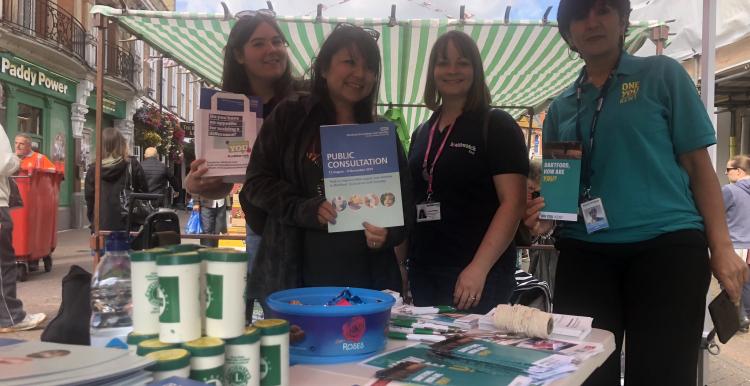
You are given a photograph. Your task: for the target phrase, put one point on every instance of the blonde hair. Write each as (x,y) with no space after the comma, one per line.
(741,161)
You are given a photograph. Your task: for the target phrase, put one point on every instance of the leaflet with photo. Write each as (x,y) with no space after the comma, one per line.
(361,175)
(561,174)
(226,125)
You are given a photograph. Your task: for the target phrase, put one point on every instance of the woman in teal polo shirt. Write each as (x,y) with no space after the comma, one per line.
(645,158)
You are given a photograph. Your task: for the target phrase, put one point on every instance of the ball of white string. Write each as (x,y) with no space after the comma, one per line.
(523,320)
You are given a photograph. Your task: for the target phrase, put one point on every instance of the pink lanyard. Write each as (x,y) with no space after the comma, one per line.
(431,171)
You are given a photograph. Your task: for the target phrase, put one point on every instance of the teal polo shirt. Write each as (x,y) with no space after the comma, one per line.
(651,114)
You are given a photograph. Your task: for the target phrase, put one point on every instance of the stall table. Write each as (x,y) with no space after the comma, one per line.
(348,374)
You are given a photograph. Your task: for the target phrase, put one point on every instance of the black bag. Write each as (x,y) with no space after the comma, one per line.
(134,210)
(71,325)
(14,199)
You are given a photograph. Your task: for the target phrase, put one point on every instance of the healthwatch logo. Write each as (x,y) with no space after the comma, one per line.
(236,147)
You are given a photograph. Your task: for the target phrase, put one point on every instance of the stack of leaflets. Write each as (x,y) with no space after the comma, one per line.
(496,359)
(418,365)
(580,351)
(465,360)
(436,315)
(47,364)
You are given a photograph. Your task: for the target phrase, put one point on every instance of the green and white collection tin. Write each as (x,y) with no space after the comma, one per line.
(242,359)
(274,352)
(145,289)
(206,360)
(226,280)
(179,291)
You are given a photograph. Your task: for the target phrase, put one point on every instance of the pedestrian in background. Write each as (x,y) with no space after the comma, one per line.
(13,318)
(737,204)
(30,159)
(644,275)
(118,172)
(213,217)
(157,175)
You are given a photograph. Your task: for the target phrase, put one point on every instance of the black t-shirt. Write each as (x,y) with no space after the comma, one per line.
(462,184)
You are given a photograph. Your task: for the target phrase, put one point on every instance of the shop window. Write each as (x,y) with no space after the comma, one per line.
(30,122)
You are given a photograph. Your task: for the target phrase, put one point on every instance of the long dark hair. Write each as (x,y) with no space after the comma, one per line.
(234,78)
(479,94)
(349,37)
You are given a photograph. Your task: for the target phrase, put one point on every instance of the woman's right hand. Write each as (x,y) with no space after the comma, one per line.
(326,213)
(195,183)
(531,216)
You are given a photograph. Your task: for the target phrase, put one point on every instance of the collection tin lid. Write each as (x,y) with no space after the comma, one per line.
(205,347)
(225,255)
(153,345)
(250,336)
(135,338)
(180,248)
(148,254)
(179,259)
(272,326)
(168,360)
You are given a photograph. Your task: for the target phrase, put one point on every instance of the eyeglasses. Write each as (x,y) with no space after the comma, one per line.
(729,170)
(253,13)
(373,33)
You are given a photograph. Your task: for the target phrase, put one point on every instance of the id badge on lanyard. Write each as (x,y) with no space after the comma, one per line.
(430,210)
(592,208)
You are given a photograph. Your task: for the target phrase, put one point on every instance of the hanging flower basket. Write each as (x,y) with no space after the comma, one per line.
(160,130)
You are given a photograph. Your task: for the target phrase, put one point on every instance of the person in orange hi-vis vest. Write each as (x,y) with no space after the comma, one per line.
(30,159)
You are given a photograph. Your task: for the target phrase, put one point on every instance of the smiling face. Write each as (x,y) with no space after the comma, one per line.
(347,78)
(599,33)
(453,73)
(264,56)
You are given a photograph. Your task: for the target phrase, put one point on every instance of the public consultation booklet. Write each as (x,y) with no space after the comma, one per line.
(561,176)
(361,175)
(226,125)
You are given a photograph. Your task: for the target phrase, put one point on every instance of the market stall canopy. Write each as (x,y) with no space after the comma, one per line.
(526,63)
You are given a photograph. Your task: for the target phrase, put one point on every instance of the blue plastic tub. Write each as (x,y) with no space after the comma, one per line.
(332,334)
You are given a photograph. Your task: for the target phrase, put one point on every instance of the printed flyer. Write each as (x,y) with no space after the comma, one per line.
(226,127)
(361,175)
(561,175)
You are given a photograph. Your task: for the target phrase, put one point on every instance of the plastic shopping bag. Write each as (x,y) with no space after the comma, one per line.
(194,225)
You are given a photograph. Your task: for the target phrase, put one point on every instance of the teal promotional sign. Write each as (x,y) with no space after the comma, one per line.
(26,74)
(113,107)
(561,175)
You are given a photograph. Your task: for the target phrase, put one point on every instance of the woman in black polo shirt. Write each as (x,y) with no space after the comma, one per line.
(469,183)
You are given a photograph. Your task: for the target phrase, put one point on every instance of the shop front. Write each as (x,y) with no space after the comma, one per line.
(37,101)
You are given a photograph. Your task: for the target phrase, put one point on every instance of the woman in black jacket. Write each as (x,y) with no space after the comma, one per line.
(118,171)
(285,178)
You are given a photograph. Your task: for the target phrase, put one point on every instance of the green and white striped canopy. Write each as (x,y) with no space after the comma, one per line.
(526,63)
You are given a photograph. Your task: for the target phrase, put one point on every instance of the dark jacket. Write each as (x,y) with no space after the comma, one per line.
(113,182)
(278,185)
(157,175)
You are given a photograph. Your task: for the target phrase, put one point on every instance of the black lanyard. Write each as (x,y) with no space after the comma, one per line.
(588,152)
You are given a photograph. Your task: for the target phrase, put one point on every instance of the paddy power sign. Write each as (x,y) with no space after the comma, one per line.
(23,73)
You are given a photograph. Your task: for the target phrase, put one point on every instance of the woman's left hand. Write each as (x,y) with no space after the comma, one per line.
(375,235)
(469,287)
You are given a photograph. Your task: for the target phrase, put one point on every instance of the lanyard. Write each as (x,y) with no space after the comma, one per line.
(430,172)
(588,152)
